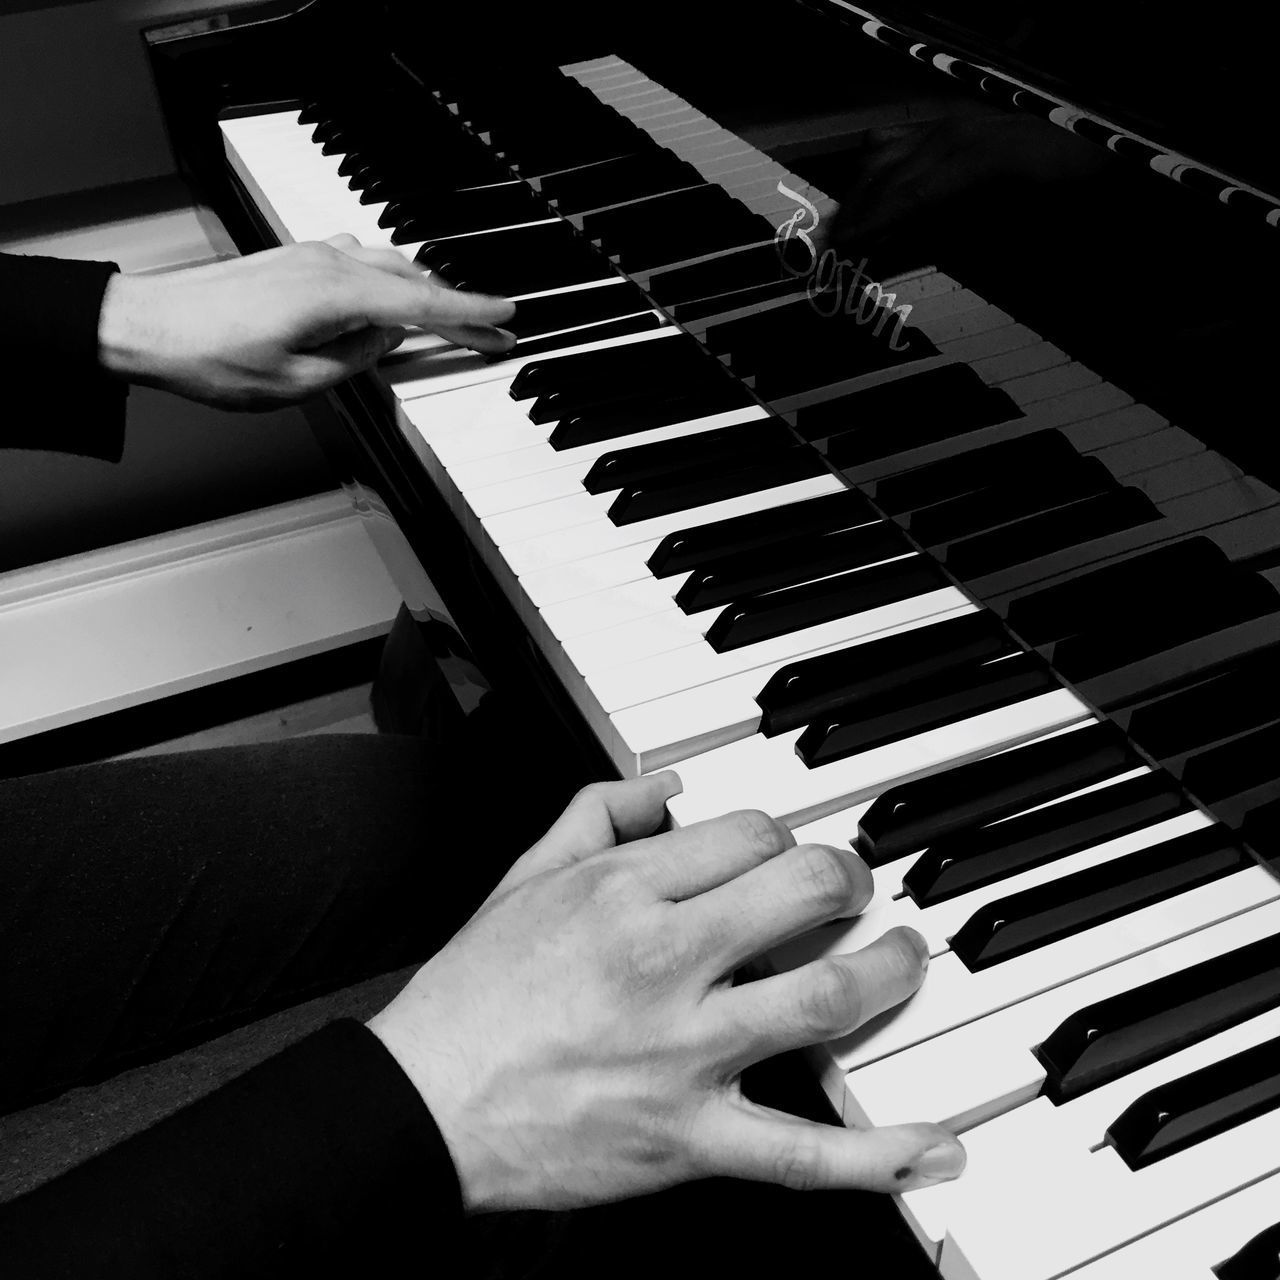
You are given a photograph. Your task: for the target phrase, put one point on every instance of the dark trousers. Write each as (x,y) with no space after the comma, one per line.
(151,903)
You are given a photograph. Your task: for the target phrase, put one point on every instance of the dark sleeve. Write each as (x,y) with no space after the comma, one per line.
(49,311)
(323,1160)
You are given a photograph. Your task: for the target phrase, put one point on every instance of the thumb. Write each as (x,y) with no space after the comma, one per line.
(746,1140)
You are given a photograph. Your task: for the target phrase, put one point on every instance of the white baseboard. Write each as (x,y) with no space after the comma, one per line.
(123,626)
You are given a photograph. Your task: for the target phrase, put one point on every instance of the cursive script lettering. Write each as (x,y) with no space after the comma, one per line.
(831,289)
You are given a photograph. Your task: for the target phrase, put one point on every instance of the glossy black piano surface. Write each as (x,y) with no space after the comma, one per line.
(1130,553)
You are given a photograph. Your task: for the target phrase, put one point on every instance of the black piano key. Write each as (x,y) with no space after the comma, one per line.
(642,173)
(484,209)
(1112,590)
(1027,458)
(1242,517)
(565,150)
(653,378)
(539,377)
(463,263)
(694,242)
(970,859)
(759,264)
(1234,808)
(1215,605)
(666,222)
(1242,696)
(671,458)
(526,277)
(802,691)
(1174,666)
(1039,535)
(908,817)
(1047,913)
(1000,504)
(929,705)
(781,612)
(786,326)
(1260,829)
(787,372)
(505,247)
(1180,1113)
(592,333)
(672,226)
(1244,762)
(614,421)
(1104,1041)
(799,559)
(678,177)
(1087,435)
(1254,1260)
(690,313)
(688,548)
(536,316)
(650,499)
(895,416)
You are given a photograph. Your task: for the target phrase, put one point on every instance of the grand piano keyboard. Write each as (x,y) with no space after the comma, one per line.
(936,588)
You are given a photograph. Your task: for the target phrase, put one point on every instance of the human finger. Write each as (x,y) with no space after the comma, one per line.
(790,894)
(385,298)
(599,817)
(816,1002)
(741,1139)
(486,339)
(698,857)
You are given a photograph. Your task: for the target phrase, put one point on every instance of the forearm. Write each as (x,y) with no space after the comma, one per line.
(322,1158)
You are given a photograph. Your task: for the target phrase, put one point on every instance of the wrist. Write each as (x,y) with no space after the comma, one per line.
(124,348)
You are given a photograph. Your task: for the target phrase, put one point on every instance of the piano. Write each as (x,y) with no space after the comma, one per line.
(888,445)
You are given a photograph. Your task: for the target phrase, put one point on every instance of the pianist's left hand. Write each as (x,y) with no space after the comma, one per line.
(580,1040)
(275,327)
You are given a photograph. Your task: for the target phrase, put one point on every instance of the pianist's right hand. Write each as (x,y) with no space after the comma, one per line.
(579,1041)
(272,328)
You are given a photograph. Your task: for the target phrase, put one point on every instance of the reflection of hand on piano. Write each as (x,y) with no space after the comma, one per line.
(901,175)
(275,327)
(580,1041)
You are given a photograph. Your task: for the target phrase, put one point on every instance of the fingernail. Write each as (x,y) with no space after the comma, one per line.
(940,1163)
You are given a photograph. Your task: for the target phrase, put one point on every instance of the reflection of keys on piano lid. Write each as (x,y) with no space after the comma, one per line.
(714,597)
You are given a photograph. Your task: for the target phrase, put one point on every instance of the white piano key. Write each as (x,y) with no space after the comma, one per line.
(594,648)
(505,465)
(563,546)
(672,629)
(456,367)
(1190,1248)
(691,721)
(666,673)
(979,1068)
(767,774)
(1110,1204)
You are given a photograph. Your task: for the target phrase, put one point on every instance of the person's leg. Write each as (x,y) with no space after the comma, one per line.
(152,902)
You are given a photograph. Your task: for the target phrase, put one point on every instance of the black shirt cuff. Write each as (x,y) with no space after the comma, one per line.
(49,327)
(324,1157)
